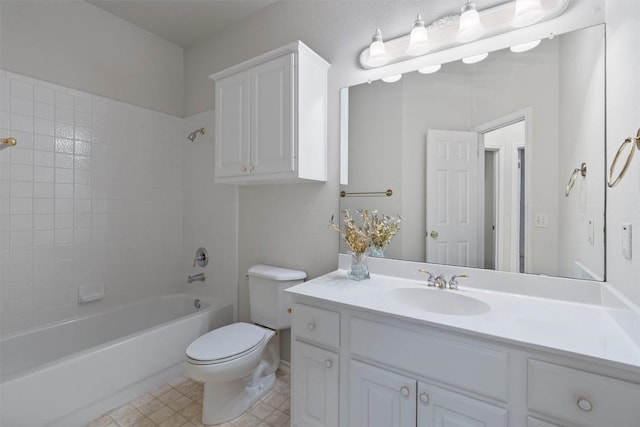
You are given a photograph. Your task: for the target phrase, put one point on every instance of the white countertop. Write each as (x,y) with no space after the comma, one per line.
(584,330)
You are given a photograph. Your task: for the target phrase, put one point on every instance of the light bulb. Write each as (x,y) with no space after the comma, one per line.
(392,79)
(418,39)
(527,12)
(377,51)
(475,58)
(524,46)
(470,26)
(429,69)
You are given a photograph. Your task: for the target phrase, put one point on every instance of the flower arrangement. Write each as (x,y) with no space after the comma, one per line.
(374,230)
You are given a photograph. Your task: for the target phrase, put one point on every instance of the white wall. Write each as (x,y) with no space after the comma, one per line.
(80,46)
(91,195)
(623,120)
(210,216)
(581,137)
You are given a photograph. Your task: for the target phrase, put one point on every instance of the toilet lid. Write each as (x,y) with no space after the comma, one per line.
(226,342)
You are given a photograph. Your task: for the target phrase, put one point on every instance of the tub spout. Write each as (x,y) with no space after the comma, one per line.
(196,278)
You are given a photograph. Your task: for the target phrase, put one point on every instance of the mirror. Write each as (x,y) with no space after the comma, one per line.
(479,158)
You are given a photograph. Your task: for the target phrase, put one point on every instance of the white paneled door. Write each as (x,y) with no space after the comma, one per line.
(453,198)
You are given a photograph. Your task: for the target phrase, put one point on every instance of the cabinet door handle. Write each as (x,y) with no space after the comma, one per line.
(584,404)
(404,391)
(311,326)
(424,397)
(328,363)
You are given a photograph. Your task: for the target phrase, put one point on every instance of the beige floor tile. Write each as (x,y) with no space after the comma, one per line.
(130,419)
(277,419)
(176,420)
(246,420)
(161,414)
(282,388)
(103,421)
(286,407)
(120,412)
(145,422)
(142,400)
(261,409)
(169,396)
(177,381)
(151,407)
(274,399)
(192,411)
(180,403)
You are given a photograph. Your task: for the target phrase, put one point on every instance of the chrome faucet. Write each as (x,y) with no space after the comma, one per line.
(430,278)
(453,283)
(440,282)
(196,278)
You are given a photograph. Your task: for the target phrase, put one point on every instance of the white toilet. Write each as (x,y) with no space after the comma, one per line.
(237,363)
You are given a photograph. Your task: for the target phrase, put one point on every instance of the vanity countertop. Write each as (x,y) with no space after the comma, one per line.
(584,330)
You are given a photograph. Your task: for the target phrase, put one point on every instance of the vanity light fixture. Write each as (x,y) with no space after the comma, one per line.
(470,28)
(475,58)
(430,69)
(392,79)
(377,51)
(519,48)
(418,38)
(527,12)
(450,31)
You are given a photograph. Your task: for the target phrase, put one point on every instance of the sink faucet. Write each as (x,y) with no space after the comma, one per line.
(453,283)
(430,278)
(196,278)
(440,282)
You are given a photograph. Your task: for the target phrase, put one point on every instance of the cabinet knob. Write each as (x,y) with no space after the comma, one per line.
(584,404)
(311,326)
(251,168)
(328,363)
(243,168)
(404,391)
(289,310)
(424,397)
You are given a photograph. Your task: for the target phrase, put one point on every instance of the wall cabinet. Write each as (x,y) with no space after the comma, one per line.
(271,120)
(394,373)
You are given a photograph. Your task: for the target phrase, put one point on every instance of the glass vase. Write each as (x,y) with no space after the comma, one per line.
(358,269)
(377,251)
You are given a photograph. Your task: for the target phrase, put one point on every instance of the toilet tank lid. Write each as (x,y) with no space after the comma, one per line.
(276,273)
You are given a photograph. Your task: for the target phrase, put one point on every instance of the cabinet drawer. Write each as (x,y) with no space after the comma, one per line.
(469,366)
(316,325)
(581,397)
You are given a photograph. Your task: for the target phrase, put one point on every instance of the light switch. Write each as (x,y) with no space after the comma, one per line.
(626,241)
(542,220)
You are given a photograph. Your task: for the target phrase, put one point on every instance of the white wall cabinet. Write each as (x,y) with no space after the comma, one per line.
(271,118)
(394,372)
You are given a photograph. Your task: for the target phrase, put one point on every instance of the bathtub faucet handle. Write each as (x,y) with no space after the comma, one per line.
(202,258)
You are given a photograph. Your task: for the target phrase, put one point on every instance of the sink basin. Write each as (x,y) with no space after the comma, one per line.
(438,301)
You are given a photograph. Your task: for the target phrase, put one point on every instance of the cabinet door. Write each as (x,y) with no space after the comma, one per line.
(272,129)
(232,126)
(380,398)
(315,386)
(442,408)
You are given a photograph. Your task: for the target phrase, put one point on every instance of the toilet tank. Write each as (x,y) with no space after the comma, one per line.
(268,302)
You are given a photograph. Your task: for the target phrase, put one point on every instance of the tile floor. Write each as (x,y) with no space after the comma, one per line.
(179,404)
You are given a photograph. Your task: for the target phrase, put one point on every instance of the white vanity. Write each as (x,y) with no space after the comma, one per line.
(513,350)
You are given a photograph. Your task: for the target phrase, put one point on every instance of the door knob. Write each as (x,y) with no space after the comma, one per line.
(328,363)
(434,234)
(404,391)
(424,397)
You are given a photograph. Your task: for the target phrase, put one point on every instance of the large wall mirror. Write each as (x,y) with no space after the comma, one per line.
(485,160)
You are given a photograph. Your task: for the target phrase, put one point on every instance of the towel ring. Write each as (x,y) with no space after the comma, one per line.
(611,182)
(581,170)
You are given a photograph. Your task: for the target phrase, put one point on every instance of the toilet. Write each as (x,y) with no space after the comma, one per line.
(237,362)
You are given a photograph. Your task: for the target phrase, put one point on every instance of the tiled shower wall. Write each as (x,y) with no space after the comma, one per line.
(90,196)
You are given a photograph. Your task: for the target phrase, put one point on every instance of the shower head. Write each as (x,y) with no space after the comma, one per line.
(192,136)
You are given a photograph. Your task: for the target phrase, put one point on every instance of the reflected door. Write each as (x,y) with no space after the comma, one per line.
(453,194)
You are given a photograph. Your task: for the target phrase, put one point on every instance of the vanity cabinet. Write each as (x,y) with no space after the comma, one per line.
(270,118)
(352,367)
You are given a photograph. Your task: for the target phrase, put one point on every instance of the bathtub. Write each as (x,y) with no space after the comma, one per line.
(70,373)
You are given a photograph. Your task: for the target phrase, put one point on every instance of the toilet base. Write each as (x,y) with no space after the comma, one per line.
(224,401)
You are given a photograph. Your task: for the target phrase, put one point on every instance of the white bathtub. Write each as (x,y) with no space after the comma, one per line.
(70,373)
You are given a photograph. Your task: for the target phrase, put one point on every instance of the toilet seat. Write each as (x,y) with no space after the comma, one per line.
(226,343)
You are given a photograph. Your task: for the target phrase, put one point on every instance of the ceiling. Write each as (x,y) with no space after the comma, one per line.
(183,22)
